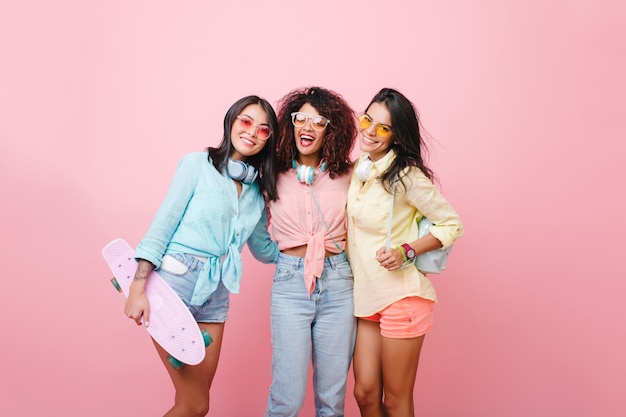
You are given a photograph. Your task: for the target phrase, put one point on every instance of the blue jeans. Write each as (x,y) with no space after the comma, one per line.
(320,328)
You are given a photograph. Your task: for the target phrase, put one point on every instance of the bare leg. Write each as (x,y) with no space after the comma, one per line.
(367,366)
(192,383)
(400,358)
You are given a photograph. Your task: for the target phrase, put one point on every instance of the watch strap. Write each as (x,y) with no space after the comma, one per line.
(408,250)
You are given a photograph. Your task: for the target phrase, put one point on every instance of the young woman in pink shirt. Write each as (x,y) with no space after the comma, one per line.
(312,309)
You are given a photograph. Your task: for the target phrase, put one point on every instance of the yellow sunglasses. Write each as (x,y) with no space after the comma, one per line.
(382,130)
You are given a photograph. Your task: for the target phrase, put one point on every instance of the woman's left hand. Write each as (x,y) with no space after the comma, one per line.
(390,259)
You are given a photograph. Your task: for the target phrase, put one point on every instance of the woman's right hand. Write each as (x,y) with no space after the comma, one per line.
(137,306)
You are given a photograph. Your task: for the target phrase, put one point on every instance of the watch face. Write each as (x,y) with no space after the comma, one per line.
(410,252)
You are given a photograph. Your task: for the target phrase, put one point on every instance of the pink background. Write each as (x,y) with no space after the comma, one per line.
(525,100)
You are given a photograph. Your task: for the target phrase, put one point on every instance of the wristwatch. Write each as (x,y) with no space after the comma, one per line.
(410,252)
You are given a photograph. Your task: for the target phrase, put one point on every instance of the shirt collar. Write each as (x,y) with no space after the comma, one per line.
(383,163)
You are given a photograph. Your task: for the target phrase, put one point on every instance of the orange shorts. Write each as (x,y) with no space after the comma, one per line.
(407,318)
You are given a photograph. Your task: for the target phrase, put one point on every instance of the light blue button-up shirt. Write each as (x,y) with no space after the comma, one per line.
(202,215)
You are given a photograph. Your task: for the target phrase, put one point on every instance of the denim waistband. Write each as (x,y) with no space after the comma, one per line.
(298,262)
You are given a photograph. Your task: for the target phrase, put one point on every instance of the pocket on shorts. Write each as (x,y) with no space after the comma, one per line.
(173,266)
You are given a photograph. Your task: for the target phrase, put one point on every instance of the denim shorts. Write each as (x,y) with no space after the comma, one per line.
(180,271)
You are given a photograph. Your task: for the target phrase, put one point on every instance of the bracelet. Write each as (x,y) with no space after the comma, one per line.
(401,250)
(408,263)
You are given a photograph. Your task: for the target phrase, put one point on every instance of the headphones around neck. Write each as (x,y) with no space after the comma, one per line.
(364,169)
(240,171)
(305,173)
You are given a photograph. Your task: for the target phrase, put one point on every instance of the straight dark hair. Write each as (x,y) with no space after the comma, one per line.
(407,137)
(264,160)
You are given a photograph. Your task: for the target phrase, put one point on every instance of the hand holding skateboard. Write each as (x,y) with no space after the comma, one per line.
(171,324)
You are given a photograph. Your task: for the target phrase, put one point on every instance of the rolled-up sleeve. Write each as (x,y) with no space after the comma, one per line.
(166,221)
(426,198)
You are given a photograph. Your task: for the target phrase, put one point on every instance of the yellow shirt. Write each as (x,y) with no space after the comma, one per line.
(368,218)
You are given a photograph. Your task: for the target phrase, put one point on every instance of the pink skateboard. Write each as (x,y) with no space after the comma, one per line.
(171,324)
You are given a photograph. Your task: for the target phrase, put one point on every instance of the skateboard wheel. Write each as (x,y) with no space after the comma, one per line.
(175,363)
(207,338)
(116,284)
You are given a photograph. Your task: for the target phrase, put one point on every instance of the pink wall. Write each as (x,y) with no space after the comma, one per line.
(99,100)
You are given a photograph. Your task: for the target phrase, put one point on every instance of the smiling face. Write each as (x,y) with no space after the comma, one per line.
(308,140)
(369,141)
(244,138)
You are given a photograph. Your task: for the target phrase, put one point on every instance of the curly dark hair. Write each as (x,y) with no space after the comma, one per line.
(339,135)
(408,141)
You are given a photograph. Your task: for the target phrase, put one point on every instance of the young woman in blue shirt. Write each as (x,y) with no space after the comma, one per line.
(211,210)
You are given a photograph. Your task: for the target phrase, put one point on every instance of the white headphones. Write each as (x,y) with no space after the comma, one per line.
(364,169)
(305,173)
(240,171)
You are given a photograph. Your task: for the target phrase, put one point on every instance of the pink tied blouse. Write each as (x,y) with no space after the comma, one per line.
(296,219)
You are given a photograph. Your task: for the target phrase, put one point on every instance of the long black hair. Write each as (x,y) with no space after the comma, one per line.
(408,142)
(264,160)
